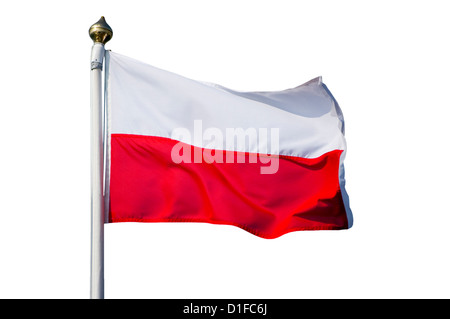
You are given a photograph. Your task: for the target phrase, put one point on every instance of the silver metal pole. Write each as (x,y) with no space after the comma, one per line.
(100,32)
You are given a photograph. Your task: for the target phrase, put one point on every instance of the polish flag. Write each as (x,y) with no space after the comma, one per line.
(180,150)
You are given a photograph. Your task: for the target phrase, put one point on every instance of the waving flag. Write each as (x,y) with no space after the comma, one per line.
(180,150)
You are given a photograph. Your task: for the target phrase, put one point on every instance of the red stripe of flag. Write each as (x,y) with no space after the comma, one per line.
(147,186)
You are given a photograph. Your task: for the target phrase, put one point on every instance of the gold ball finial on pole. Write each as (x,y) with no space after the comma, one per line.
(100,31)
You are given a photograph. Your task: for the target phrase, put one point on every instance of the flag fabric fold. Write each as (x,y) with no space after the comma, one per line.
(180,150)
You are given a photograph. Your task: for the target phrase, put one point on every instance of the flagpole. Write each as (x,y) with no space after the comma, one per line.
(100,32)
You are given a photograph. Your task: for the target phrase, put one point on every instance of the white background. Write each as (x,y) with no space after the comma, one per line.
(387,64)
